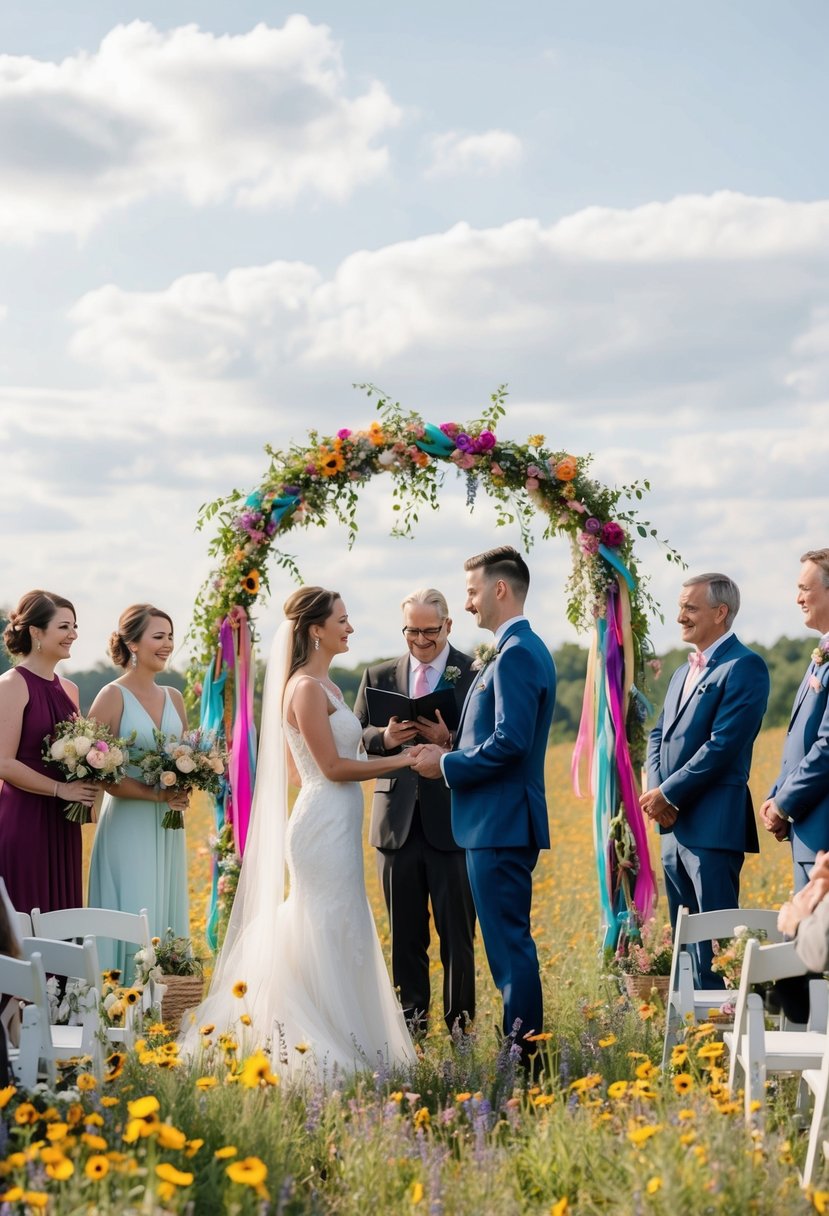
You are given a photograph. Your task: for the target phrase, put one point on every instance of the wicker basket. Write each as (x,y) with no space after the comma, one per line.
(183,992)
(640,987)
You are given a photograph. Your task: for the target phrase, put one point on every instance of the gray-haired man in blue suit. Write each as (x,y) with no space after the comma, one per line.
(798,805)
(699,757)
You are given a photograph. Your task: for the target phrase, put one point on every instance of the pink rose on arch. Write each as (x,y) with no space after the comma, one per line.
(450,429)
(534,471)
(576,506)
(464,460)
(486,440)
(613,534)
(588,543)
(344,433)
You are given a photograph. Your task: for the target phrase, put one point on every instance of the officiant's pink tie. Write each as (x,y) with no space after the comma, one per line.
(421,683)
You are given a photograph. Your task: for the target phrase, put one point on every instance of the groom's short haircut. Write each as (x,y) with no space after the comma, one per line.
(819,558)
(506,563)
(430,596)
(721,590)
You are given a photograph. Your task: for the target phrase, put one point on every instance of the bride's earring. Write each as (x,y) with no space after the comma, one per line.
(133,660)
(40,647)
(316,644)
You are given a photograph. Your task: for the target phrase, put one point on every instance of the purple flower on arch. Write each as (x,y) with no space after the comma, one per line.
(592,525)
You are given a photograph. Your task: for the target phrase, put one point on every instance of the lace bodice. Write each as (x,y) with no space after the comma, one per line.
(348,738)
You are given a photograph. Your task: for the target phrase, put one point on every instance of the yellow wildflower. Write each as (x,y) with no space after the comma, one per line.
(654,1184)
(640,1135)
(608,1040)
(416,1193)
(250,1171)
(168,1173)
(222,1154)
(96,1167)
(683,1082)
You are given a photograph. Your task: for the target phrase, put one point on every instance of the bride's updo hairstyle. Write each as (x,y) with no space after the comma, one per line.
(131,625)
(306,607)
(36,608)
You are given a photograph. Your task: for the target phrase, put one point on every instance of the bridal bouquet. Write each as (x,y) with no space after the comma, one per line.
(85,750)
(192,761)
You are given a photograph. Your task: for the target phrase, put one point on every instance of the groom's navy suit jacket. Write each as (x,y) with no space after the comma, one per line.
(699,752)
(496,772)
(802,788)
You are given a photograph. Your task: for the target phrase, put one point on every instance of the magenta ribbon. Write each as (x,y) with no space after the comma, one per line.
(235,644)
(644,892)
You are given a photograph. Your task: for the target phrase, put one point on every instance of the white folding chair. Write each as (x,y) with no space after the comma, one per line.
(73,962)
(24,924)
(816,1080)
(25,979)
(132,927)
(686,1004)
(758,1051)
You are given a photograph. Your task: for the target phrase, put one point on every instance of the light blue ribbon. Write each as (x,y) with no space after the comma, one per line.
(435,442)
(613,560)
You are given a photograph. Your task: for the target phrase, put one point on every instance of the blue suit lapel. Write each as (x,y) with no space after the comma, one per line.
(801,693)
(681,703)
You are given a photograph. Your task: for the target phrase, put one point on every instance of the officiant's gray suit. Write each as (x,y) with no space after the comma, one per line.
(419,861)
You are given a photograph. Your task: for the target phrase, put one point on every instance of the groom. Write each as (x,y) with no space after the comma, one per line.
(496,775)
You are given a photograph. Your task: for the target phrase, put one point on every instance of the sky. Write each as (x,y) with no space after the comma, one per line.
(216,218)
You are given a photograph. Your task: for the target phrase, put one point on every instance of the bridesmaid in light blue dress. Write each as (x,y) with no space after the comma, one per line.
(135,862)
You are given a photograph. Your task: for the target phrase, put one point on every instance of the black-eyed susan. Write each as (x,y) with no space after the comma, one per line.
(192,1147)
(239,989)
(256,1071)
(97,1167)
(112,976)
(142,1108)
(250,1171)
(226,1152)
(168,1173)
(617,1089)
(250,583)
(114,1065)
(683,1083)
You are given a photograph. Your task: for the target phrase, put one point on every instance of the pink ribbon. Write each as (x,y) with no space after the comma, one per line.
(236,652)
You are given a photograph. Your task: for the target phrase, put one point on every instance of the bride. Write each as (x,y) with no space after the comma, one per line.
(317,984)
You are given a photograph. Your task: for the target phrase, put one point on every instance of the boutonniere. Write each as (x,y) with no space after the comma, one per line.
(820,654)
(452,674)
(484,654)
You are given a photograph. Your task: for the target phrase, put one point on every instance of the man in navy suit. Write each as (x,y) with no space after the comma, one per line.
(798,805)
(699,757)
(496,774)
(418,859)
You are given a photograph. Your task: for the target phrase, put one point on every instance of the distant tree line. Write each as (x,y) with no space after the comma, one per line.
(786,659)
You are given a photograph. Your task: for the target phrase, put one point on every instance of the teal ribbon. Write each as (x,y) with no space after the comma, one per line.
(435,442)
(283,506)
(212,719)
(616,562)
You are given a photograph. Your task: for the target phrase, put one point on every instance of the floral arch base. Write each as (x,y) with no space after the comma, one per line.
(319,479)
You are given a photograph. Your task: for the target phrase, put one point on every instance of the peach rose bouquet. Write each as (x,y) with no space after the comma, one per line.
(82,749)
(192,761)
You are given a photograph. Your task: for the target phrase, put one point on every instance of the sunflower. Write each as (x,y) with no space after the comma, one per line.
(115,1065)
(250,583)
(330,462)
(683,1082)
(256,1071)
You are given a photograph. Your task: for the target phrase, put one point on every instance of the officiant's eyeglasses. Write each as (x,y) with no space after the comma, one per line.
(408,632)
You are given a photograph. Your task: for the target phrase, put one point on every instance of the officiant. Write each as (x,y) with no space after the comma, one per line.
(418,860)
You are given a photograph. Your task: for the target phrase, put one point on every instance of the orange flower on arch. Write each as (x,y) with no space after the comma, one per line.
(250,582)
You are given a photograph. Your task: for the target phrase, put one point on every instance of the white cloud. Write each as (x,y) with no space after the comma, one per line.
(487,152)
(260,118)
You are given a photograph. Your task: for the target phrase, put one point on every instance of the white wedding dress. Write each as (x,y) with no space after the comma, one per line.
(317,984)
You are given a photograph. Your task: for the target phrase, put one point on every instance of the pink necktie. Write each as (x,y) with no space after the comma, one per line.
(696,660)
(421,683)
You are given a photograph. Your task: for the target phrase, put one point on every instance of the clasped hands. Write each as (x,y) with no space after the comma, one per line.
(807,899)
(425,757)
(773,821)
(656,806)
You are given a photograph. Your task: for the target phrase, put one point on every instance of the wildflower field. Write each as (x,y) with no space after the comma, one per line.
(603,1131)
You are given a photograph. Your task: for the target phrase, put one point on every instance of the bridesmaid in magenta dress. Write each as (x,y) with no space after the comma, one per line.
(40,850)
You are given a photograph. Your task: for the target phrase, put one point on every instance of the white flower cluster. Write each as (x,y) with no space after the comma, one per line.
(146,966)
(78,999)
(83,755)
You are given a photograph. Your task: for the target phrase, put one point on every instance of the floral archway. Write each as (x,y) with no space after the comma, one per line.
(319,479)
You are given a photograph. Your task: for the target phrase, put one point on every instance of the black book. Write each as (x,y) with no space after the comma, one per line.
(383,704)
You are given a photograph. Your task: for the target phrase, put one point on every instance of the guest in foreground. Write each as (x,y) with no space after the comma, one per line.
(699,756)
(135,862)
(418,858)
(797,807)
(805,917)
(496,775)
(40,850)
(315,976)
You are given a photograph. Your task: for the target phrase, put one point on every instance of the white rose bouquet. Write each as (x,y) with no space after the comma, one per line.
(193,761)
(85,750)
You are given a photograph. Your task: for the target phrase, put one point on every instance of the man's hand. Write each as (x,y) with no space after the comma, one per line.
(434,732)
(426,760)
(398,734)
(656,806)
(773,820)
